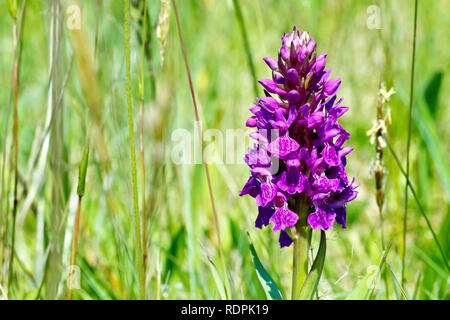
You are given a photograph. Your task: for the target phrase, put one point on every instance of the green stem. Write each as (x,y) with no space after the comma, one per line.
(133,157)
(408,144)
(302,243)
(17,32)
(416,198)
(240,19)
(141,93)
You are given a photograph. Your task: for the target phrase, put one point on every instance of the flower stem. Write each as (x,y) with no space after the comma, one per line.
(302,243)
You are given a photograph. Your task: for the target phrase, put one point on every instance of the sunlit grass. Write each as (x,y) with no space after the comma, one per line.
(181,235)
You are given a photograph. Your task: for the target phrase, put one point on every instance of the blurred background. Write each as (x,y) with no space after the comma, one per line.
(72,89)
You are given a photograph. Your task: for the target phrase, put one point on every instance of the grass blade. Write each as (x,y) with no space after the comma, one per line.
(240,19)
(408,143)
(392,272)
(217,279)
(205,164)
(270,287)
(133,158)
(421,209)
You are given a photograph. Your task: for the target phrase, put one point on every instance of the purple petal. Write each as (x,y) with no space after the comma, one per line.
(321,60)
(280,200)
(293,96)
(271,86)
(315,120)
(251,187)
(271,62)
(261,172)
(268,192)
(330,156)
(310,47)
(269,103)
(278,78)
(331,87)
(285,240)
(325,184)
(283,146)
(284,53)
(324,77)
(344,151)
(251,122)
(292,75)
(264,215)
(341,216)
(321,219)
(330,134)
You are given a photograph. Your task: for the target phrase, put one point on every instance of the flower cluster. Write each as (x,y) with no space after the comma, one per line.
(299,154)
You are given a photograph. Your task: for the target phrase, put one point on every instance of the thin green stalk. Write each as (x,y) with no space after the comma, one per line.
(4,231)
(15,157)
(141,93)
(240,19)
(133,157)
(158,272)
(408,144)
(302,243)
(205,164)
(59,187)
(421,209)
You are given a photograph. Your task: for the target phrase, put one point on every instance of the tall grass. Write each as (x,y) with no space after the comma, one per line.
(408,142)
(57,152)
(205,162)
(17,32)
(137,219)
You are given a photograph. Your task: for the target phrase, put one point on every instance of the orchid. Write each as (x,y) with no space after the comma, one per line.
(300,154)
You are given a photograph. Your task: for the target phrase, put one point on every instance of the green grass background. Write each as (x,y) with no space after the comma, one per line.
(180,223)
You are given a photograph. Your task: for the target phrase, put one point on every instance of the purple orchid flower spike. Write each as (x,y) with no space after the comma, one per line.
(300,104)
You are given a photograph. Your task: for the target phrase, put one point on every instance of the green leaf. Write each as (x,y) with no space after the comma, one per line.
(432,92)
(270,287)
(311,283)
(417,286)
